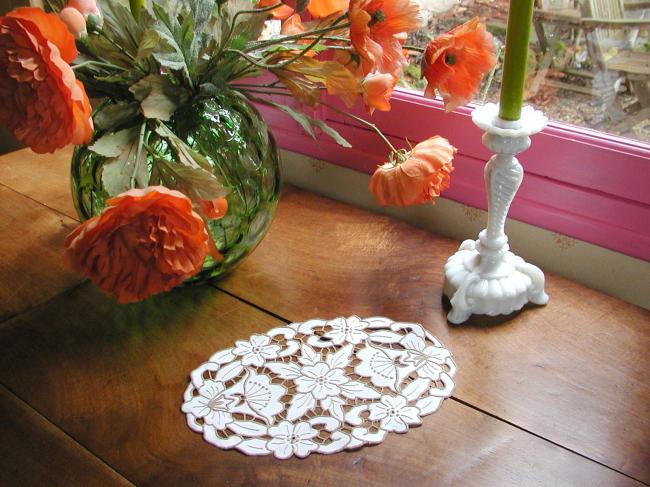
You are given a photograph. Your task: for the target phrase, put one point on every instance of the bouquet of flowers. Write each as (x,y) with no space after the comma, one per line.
(150,180)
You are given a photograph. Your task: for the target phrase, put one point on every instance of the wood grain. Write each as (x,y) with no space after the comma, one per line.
(33,450)
(113,378)
(31,249)
(575,372)
(44,178)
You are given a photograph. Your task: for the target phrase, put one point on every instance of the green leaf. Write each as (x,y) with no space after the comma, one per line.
(115,114)
(307,123)
(302,119)
(196,182)
(126,166)
(238,28)
(148,44)
(174,49)
(338,138)
(201,11)
(120,25)
(158,97)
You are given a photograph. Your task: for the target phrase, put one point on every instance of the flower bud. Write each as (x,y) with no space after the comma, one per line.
(94,22)
(86,7)
(74,21)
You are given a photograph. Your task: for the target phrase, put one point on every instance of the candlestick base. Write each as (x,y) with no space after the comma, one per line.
(486,287)
(484,277)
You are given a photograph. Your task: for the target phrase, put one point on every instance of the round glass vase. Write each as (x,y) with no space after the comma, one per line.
(242,152)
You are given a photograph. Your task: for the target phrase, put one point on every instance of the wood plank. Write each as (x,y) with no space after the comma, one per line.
(33,451)
(31,249)
(630,62)
(44,178)
(113,378)
(575,371)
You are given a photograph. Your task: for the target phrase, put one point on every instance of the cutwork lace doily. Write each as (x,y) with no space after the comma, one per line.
(319,386)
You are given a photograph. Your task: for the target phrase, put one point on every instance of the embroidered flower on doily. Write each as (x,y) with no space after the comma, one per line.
(289,439)
(427,360)
(380,365)
(261,395)
(212,405)
(320,380)
(350,330)
(256,350)
(394,413)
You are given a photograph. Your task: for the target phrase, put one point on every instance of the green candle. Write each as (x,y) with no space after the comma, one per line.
(520,19)
(136,6)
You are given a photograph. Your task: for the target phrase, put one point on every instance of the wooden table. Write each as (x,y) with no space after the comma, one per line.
(91,390)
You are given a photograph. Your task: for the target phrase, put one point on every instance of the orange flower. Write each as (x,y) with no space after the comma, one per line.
(378,29)
(280,13)
(41,102)
(214,209)
(292,26)
(455,63)
(377,90)
(324,8)
(304,76)
(145,242)
(422,175)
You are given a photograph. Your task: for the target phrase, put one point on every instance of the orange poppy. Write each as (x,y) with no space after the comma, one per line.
(324,8)
(377,90)
(416,176)
(145,242)
(280,13)
(41,102)
(455,63)
(377,32)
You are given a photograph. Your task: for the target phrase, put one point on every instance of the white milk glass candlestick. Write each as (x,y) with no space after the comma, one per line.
(484,277)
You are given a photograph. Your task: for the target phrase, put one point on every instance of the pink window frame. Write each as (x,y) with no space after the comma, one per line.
(582,183)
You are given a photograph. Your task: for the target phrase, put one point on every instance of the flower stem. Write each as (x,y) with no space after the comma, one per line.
(414,48)
(332,27)
(370,125)
(97,63)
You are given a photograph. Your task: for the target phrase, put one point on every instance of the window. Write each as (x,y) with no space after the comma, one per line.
(598,78)
(587,174)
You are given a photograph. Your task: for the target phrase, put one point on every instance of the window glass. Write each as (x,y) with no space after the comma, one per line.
(589,60)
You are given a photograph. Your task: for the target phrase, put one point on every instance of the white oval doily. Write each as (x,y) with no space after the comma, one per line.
(319,386)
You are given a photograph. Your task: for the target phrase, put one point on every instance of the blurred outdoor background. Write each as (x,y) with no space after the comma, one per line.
(588,65)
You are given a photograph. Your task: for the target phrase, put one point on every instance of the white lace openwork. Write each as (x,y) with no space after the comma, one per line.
(319,386)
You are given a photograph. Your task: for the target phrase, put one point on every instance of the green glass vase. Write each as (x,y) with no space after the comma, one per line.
(242,152)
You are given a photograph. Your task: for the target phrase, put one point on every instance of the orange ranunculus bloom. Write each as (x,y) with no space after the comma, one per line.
(377,32)
(324,8)
(377,90)
(455,63)
(145,242)
(280,13)
(41,102)
(214,209)
(419,177)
